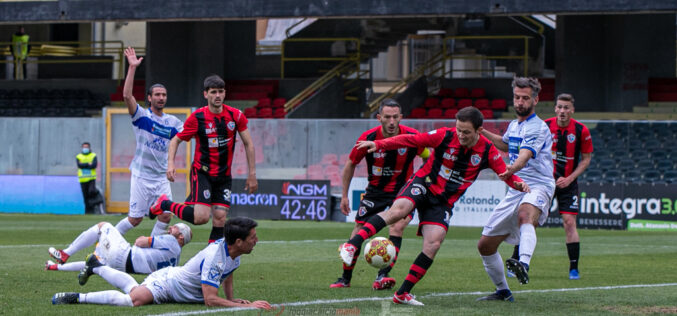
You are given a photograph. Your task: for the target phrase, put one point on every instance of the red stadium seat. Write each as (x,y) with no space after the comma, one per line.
(445,93)
(417,113)
(488,114)
(279,113)
(450,113)
(448,103)
(431,102)
(250,112)
(434,113)
(461,93)
(482,104)
(279,102)
(477,93)
(499,104)
(264,103)
(266,113)
(464,103)
(330,159)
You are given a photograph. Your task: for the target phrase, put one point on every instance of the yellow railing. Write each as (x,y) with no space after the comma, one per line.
(114,49)
(350,57)
(342,68)
(524,57)
(433,65)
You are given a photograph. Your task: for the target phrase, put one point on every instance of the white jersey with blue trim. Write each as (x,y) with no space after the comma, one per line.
(164,251)
(210,266)
(532,134)
(153,134)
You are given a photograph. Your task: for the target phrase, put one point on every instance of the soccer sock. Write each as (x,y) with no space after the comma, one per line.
(516,252)
(160,228)
(348,270)
(527,242)
(119,279)
(574,250)
(217,233)
(184,212)
(493,264)
(106,298)
(416,273)
(370,228)
(124,226)
(397,242)
(86,239)
(71,266)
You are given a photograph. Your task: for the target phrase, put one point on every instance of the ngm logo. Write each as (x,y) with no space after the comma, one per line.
(303,189)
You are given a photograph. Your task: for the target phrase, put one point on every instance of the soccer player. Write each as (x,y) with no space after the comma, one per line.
(114,254)
(528,143)
(214,127)
(198,281)
(572,146)
(459,155)
(388,171)
(153,129)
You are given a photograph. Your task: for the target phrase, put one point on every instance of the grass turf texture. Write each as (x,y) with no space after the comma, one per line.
(296,262)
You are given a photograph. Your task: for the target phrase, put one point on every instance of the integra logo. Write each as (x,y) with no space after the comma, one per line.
(253,199)
(303,189)
(630,206)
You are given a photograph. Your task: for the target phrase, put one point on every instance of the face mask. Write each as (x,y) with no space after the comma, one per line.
(85,151)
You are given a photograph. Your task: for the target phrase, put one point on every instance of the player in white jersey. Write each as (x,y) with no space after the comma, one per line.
(528,143)
(197,281)
(153,129)
(114,254)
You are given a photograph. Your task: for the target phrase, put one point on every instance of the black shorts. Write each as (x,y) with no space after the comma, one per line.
(208,190)
(431,209)
(567,199)
(373,203)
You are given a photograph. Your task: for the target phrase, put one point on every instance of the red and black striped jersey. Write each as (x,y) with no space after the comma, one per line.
(453,167)
(215,138)
(568,143)
(388,170)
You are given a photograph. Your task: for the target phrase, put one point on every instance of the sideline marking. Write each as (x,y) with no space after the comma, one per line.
(365,299)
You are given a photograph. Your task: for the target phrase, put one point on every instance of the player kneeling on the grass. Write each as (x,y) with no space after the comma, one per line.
(459,155)
(114,254)
(197,281)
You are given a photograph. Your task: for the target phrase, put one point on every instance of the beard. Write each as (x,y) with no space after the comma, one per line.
(526,111)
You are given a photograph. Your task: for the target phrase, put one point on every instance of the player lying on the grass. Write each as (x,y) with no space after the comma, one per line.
(114,254)
(459,155)
(197,281)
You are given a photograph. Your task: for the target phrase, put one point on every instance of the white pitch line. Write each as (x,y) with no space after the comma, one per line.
(366,299)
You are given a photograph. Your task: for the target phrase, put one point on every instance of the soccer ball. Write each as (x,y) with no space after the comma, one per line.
(379,252)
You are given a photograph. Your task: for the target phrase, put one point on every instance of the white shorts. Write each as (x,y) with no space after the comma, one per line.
(112,248)
(504,218)
(144,192)
(166,289)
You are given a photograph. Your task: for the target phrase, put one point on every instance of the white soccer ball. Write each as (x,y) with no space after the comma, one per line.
(379,252)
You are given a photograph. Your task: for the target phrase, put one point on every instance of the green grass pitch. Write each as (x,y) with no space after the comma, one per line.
(622,272)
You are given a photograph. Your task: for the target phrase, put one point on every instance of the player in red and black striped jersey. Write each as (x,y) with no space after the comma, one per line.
(388,171)
(459,155)
(215,128)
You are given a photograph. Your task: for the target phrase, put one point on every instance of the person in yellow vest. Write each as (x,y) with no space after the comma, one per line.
(20,52)
(87,176)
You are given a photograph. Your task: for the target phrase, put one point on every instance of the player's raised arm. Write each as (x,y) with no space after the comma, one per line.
(127,93)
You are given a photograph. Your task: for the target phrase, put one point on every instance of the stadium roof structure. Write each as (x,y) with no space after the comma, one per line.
(21,11)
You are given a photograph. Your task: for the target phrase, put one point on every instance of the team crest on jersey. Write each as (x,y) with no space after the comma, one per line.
(214,273)
(420,187)
(206,194)
(362,211)
(226,195)
(571,138)
(368,203)
(415,191)
(401,151)
(231,125)
(540,201)
(475,159)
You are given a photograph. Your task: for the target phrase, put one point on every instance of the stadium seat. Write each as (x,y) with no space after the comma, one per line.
(417,113)
(461,93)
(445,93)
(665,164)
(625,164)
(279,113)
(431,102)
(632,176)
(330,159)
(450,113)
(317,168)
(266,113)
(651,176)
(593,175)
(670,176)
(434,113)
(488,114)
(279,102)
(477,93)
(448,103)
(264,103)
(464,103)
(613,175)
(606,164)
(250,112)
(331,169)
(645,163)
(482,104)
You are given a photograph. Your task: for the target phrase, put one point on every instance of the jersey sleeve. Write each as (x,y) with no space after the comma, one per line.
(241,121)
(165,241)
(431,139)
(177,127)
(535,137)
(189,129)
(506,137)
(497,164)
(356,155)
(211,270)
(586,141)
(139,113)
